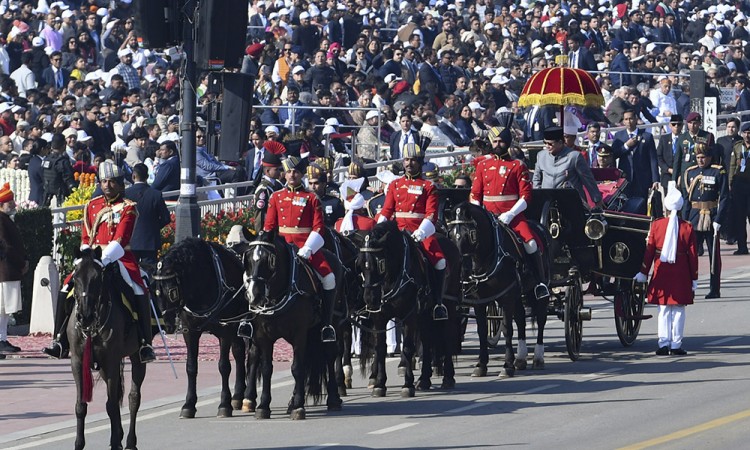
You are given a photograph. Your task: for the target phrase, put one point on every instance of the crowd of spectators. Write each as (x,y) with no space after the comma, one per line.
(75,76)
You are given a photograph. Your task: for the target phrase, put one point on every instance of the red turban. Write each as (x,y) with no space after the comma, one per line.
(6,194)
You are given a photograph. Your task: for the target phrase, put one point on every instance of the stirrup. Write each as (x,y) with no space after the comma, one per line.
(440,312)
(146,353)
(245,330)
(54,350)
(541,291)
(327,334)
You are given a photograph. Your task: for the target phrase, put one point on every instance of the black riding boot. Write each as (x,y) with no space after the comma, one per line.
(541,291)
(145,335)
(327,332)
(439,312)
(59,346)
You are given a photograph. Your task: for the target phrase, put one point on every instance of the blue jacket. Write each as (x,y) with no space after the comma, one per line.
(168,176)
(36,180)
(638,164)
(152,216)
(207,164)
(619,64)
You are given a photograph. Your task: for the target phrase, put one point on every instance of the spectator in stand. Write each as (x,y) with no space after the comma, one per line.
(167,176)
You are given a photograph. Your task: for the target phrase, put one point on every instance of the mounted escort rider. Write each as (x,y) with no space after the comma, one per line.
(503,187)
(271,166)
(413,202)
(297,215)
(108,223)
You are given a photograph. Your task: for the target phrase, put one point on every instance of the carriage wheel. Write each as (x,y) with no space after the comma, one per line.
(494,323)
(572,318)
(628,313)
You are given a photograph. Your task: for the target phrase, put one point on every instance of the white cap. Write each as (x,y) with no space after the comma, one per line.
(328,130)
(489,26)
(392,77)
(712,9)
(740,16)
(499,79)
(364,11)
(371,114)
(710,26)
(536,43)
(642,40)
(101,12)
(720,49)
(124,52)
(37,41)
(83,136)
(5,106)
(546,24)
(650,47)
(272,129)
(284,12)
(67,13)
(478,44)
(273,15)
(47,137)
(332,121)
(304,15)
(297,69)
(475,105)
(489,72)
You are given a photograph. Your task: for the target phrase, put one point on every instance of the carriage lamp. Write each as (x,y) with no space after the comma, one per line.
(595,228)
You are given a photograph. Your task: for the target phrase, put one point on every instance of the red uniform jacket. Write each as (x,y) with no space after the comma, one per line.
(671,284)
(362,223)
(410,200)
(297,212)
(104,222)
(498,184)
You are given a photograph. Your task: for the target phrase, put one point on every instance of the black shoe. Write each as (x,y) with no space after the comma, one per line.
(663,351)
(327,334)
(55,350)
(146,353)
(7,347)
(742,251)
(439,312)
(678,352)
(245,330)
(701,251)
(713,294)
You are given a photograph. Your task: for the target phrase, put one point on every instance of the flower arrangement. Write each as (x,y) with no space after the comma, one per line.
(80,196)
(18,180)
(462,168)
(26,205)
(85,179)
(214,227)
(68,241)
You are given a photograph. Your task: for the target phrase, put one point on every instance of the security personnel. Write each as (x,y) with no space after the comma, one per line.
(57,172)
(317,180)
(298,216)
(739,181)
(685,155)
(562,167)
(108,223)
(269,183)
(502,186)
(413,202)
(706,208)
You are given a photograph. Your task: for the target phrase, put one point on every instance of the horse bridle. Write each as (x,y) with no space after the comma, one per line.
(292,293)
(498,251)
(98,325)
(405,279)
(172,292)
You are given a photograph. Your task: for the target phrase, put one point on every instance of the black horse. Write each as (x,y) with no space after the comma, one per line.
(282,291)
(202,281)
(491,260)
(395,275)
(101,334)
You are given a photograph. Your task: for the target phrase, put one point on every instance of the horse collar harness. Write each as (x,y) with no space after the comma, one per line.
(405,279)
(294,290)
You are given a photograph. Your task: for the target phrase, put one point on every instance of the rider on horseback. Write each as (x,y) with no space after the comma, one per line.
(298,215)
(502,185)
(108,223)
(413,202)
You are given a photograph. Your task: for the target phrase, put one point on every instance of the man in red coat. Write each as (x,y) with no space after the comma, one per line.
(672,245)
(108,223)
(502,186)
(298,216)
(413,202)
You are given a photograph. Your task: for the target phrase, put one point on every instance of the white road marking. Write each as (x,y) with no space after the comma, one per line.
(394,428)
(602,373)
(467,408)
(318,447)
(539,389)
(723,340)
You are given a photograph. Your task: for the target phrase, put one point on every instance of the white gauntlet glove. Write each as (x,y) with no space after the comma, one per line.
(717,226)
(313,243)
(640,278)
(112,252)
(305,252)
(418,235)
(425,230)
(695,285)
(507,217)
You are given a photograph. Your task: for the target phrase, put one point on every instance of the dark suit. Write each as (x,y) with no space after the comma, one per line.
(390,67)
(726,145)
(36,180)
(665,154)
(743,103)
(585,59)
(260,31)
(48,77)
(168,177)
(152,217)
(620,64)
(540,121)
(667,34)
(637,163)
(429,80)
(397,143)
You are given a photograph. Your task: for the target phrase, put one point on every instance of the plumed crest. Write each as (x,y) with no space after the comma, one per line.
(275,147)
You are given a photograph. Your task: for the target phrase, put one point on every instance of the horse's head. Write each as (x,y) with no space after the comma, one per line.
(265,261)
(89,286)
(166,284)
(372,263)
(462,230)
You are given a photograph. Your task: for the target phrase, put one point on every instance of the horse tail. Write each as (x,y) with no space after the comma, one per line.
(88,378)
(122,383)
(316,356)
(367,347)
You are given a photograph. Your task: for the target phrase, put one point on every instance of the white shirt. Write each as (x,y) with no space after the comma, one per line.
(24,78)
(664,103)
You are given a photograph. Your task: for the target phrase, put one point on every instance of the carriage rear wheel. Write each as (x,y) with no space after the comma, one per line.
(629,304)
(572,317)
(494,323)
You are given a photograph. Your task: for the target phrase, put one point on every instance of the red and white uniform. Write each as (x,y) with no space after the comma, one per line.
(107,221)
(360,222)
(297,212)
(498,184)
(410,200)
(671,284)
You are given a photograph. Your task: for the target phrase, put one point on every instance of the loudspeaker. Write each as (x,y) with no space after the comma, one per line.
(697,90)
(235,115)
(220,34)
(157,22)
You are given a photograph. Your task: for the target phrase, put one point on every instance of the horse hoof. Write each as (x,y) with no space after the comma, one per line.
(448,383)
(378,392)
(479,371)
(371,383)
(342,391)
(506,372)
(236,405)
(401,371)
(521,364)
(248,406)
(335,407)
(187,413)
(538,364)
(262,413)
(423,385)
(224,413)
(298,414)
(408,392)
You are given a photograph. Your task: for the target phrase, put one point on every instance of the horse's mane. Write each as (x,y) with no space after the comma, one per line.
(190,255)
(383,229)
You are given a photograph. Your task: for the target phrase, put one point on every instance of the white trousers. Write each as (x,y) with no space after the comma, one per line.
(671,325)
(4,319)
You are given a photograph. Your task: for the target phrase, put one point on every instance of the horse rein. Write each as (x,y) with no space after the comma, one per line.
(294,290)
(405,279)
(96,328)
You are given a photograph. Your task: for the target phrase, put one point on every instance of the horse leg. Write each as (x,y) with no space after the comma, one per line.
(266,369)
(225,369)
(335,376)
(338,361)
(408,348)
(138,373)
(424,382)
(509,368)
(239,353)
(520,319)
(297,404)
(192,339)
(540,312)
(379,389)
(480,370)
(81,407)
(345,360)
(111,373)
(249,403)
